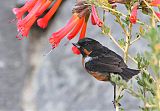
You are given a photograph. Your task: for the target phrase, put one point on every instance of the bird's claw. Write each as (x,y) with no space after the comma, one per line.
(115,103)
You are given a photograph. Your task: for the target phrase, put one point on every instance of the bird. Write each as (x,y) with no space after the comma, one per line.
(100,61)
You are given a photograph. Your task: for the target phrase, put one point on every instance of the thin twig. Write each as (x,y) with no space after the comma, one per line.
(135,40)
(113,10)
(144,95)
(153,22)
(104,17)
(113,39)
(132,59)
(128,38)
(120,23)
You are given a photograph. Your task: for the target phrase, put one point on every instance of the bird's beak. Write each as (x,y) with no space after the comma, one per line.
(76,45)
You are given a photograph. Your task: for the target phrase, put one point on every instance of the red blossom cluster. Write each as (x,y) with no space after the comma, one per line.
(28,14)
(34,8)
(77,23)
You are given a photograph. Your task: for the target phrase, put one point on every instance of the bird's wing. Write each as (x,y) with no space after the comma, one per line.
(107,57)
(110,53)
(103,64)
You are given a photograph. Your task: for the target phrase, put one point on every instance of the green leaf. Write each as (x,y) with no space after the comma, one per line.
(122,42)
(142,61)
(105,29)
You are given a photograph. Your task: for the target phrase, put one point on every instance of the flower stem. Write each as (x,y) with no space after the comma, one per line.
(128,38)
(114,40)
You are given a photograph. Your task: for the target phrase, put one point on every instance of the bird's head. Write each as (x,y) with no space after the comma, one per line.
(87,45)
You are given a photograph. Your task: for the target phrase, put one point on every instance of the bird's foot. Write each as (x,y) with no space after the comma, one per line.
(115,103)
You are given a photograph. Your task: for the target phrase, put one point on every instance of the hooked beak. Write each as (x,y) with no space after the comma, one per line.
(76,45)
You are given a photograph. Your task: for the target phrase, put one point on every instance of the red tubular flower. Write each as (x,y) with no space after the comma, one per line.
(133,16)
(78,23)
(44,7)
(24,30)
(83,31)
(75,50)
(58,36)
(32,13)
(19,12)
(76,29)
(158,14)
(70,30)
(43,22)
(155,3)
(92,20)
(35,9)
(82,35)
(94,17)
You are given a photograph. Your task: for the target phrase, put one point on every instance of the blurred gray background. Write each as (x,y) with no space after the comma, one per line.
(57,82)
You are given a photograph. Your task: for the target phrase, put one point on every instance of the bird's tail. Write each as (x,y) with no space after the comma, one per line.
(128,73)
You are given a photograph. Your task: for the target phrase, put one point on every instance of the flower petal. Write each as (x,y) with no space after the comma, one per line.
(44,7)
(43,22)
(95,16)
(32,12)
(83,31)
(75,50)
(155,3)
(57,37)
(19,12)
(92,20)
(76,29)
(158,14)
(133,16)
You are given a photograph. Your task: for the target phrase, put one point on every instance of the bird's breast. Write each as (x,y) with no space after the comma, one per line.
(100,76)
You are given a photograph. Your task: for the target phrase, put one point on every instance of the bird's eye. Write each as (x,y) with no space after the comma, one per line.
(87,43)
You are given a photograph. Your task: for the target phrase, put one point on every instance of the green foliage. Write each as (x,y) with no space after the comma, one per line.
(153,36)
(125,21)
(118,81)
(147,82)
(146,85)
(142,61)
(105,29)
(122,42)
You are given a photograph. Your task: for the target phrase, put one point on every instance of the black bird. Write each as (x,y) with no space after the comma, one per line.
(100,61)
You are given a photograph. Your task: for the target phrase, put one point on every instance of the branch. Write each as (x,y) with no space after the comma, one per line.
(135,40)
(128,38)
(113,39)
